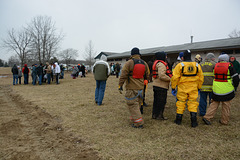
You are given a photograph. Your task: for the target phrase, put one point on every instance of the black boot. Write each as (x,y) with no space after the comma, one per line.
(141,109)
(178,119)
(194,122)
(161,117)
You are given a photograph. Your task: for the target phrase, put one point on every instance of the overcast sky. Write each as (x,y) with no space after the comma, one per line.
(120,25)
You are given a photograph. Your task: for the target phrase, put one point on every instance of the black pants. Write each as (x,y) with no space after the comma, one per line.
(19,80)
(160,100)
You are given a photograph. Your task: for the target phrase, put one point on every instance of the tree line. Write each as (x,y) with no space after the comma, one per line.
(39,42)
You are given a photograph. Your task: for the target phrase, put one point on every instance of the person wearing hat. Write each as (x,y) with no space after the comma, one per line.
(133,74)
(161,79)
(179,59)
(198,58)
(206,90)
(79,69)
(188,78)
(224,82)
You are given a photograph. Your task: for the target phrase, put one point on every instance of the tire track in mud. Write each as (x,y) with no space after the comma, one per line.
(29,132)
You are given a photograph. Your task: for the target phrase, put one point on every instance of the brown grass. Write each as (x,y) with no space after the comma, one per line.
(108,129)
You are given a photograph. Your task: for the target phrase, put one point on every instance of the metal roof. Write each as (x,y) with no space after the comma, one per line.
(196,46)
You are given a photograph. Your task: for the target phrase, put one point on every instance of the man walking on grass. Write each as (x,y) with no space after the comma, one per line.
(101,71)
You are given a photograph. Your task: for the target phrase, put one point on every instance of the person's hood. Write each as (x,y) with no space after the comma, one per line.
(104,58)
(223,57)
(209,56)
(25,65)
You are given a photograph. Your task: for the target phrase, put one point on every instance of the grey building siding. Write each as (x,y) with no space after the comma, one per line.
(230,45)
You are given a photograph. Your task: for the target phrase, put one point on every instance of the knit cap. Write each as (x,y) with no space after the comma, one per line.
(135,51)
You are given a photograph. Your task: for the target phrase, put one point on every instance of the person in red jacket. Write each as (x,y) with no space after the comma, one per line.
(25,72)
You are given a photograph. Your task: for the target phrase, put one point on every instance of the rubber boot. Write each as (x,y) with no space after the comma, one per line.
(194,122)
(178,120)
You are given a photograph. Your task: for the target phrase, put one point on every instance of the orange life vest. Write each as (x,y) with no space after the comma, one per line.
(221,72)
(154,71)
(138,69)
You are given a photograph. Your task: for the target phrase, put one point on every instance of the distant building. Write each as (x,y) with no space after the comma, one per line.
(231,46)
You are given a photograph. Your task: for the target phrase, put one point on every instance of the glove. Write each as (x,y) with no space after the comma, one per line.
(145,82)
(120,89)
(174,92)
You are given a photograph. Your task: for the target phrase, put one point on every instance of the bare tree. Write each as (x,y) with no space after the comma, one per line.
(89,54)
(45,40)
(235,33)
(18,42)
(68,55)
(13,60)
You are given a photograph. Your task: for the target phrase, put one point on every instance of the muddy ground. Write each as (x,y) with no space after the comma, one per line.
(28,132)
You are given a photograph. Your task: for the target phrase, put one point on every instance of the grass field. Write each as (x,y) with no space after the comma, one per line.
(107,127)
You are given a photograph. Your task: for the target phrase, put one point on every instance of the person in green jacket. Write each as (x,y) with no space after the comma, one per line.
(101,71)
(236,65)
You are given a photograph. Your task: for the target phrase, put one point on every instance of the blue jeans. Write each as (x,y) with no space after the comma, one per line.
(15,79)
(62,74)
(49,78)
(40,79)
(99,91)
(57,78)
(203,102)
(25,78)
(34,79)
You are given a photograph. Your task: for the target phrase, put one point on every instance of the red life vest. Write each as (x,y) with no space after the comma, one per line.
(221,72)
(138,69)
(154,71)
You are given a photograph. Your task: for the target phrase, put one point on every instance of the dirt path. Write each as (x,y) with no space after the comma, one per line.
(28,132)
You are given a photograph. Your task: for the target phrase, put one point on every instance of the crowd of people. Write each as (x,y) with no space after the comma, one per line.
(209,79)
(39,73)
(79,70)
(188,80)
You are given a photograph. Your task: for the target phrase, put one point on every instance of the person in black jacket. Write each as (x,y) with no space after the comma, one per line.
(15,74)
(40,73)
(82,69)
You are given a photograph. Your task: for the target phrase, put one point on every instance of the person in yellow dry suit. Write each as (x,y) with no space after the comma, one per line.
(188,78)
